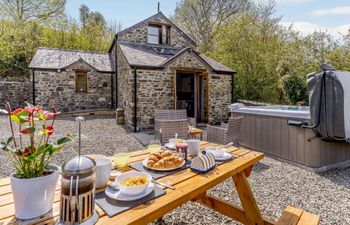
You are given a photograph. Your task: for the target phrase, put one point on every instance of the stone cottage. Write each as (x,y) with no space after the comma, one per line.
(150,65)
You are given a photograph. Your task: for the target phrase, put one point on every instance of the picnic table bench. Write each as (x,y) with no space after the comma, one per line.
(189,186)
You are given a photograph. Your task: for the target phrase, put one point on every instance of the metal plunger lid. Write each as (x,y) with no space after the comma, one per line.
(79,164)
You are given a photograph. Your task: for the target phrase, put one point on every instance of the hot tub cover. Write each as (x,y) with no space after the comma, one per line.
(329,103)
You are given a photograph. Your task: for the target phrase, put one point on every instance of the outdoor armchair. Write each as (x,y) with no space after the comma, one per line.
(171,115)
(230,132)
(168,129)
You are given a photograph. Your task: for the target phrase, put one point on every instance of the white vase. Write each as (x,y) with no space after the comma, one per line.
(34,197)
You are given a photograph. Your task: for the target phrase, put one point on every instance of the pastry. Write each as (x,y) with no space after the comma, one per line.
(164,160)
(166,153)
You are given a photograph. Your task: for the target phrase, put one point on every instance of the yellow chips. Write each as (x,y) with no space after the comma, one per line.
(134,181)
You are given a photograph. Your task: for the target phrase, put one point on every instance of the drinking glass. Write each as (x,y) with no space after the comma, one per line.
(154,146)
(121,160)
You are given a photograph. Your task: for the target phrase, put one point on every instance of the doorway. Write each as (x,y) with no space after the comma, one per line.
(191,93)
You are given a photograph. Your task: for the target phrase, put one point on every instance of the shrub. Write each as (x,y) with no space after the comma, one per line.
(294,89)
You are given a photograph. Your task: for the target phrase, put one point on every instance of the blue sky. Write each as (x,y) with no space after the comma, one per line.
(306,15)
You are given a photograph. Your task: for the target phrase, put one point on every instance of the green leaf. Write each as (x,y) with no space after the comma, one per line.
(65,140)
(3,145)
(9,140)
(29,130)
(23,113)
(55,148)
(18,119)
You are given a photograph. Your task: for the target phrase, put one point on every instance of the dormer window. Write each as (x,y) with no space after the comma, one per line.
(158,34)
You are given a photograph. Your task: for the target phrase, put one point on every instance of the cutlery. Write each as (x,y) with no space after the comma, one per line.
(164,185)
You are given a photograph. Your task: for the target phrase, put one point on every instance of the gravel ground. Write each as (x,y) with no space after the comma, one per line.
(103,136)
(275,184)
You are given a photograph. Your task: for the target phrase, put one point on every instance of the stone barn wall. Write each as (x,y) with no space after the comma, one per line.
(154,91)
(57,89)
(219,96)
(16,93)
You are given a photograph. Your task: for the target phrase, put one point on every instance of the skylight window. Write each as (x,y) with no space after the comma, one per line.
(164,51)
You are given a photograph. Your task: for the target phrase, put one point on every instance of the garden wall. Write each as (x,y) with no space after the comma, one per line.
(16,93)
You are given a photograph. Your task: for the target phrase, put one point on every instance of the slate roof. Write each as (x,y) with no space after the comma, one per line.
(51,58)
(142,54)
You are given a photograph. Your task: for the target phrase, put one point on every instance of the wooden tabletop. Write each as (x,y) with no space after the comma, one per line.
(189,187)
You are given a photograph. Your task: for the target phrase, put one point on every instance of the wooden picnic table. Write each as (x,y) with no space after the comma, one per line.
(189,186)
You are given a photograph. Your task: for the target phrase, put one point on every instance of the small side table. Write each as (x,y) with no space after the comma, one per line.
(194,132)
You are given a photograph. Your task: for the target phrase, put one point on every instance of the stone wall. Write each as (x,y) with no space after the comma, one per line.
(16,93)
(139,34)
(189,60)
(57,89)
(220,88)
(125,88)
(154,91)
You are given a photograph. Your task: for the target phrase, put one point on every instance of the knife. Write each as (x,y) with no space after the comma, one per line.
(164,185)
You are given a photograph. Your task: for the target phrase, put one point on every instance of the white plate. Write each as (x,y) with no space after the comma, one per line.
(144,162)
(224,157)
(117,195)
(170,146)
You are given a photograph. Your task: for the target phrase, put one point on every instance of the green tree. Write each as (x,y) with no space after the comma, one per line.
(84,12)
(253,45)
(202,18)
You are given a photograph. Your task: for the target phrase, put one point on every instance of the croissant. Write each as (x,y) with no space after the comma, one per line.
(152,160)
(159,164)
(164,159)
(166,153)
(178,161)
(158,155)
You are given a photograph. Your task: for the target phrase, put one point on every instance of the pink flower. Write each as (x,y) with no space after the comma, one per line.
(50,115)
(32,110)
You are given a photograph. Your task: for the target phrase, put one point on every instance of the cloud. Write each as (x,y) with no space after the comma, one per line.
(344,10)
(306,28)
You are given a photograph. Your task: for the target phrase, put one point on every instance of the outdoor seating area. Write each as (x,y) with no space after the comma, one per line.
(188,186)
(262,175)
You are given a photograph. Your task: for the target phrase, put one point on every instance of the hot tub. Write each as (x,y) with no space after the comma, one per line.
(266,129)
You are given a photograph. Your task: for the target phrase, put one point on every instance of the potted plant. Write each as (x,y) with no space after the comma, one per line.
(34,181)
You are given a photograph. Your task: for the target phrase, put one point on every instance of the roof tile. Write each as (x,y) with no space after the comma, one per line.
(50,58)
